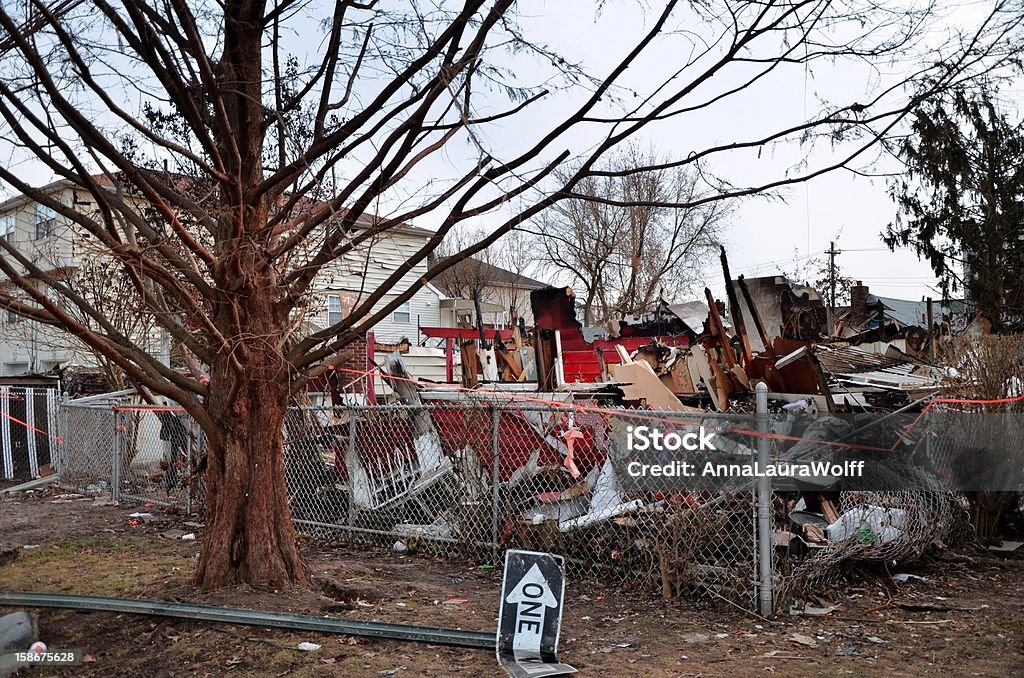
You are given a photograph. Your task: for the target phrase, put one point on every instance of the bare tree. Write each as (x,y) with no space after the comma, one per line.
(276,165)
(626,243)
(517,254)
(494,275)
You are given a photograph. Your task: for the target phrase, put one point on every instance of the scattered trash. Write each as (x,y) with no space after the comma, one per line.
(801,639)
(191,536)
(851,651)
(875,639)
(29,547)
(695,638)
(308,647)
(18,630)
(455,602)
(903,578)
(173,534)
(1006,546)
(811,610)
(869,524)
(400,547)
(140,518)
(819,611)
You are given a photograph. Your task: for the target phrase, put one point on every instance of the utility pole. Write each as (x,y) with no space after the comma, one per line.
(832,252)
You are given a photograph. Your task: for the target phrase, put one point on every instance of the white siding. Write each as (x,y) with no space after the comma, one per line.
(363,271)
(355,276)
(24,343)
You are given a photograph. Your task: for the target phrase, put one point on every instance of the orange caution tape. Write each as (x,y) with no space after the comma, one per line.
(33,428)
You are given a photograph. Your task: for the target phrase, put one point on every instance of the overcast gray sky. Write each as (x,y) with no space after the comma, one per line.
(765,236)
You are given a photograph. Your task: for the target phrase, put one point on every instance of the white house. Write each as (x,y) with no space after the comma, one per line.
(27,347)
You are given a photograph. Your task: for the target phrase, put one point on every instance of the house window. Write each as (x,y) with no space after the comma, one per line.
(46,222)
(333,309)
(7,228)
(12,318)
(402,314)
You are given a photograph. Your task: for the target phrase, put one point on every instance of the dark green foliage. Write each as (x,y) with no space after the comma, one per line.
(961,201)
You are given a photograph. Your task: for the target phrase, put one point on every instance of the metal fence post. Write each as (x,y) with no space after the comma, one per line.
(764,499)
(350,467)
(115,470)
(190,433)
(495,479)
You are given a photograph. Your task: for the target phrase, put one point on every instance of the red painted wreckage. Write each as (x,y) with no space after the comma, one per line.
(557,391)
(577,386)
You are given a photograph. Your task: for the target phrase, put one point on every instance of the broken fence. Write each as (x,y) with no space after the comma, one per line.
(470,480)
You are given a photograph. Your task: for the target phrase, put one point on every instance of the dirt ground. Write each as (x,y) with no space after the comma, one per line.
(77,546)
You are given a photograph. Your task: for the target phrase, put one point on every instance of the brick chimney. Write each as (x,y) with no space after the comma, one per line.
(859,302)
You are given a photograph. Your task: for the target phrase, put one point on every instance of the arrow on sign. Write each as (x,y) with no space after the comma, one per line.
(531,596)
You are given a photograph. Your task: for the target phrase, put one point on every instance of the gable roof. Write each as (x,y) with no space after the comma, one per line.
(908,312)
(495,276)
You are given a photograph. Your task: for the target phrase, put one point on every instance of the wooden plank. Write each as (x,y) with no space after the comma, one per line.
(718,329)
(639,382)
(828,509)
(755,316)
(469,364)
(700,359)
(737,312)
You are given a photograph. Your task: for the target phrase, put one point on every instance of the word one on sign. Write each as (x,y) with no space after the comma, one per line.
(530,616)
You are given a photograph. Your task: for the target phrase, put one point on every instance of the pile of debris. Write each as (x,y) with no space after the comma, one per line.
(528,449)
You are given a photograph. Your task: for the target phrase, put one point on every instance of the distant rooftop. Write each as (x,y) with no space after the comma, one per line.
(494,275)
(908,312)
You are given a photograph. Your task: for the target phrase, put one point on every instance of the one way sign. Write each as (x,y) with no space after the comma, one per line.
(531,615)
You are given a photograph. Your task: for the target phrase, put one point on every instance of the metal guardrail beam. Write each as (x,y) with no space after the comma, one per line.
(227,615)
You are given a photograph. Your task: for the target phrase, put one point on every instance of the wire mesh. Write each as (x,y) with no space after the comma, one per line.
(470,480)
(473,480)
(156,450)
(85,462)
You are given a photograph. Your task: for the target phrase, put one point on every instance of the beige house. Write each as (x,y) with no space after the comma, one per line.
(504,294)
(48,238)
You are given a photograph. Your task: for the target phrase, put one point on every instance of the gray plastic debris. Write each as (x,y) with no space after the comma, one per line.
(801,639)
(903,577)
(695,638)
(884,525)
(18,630)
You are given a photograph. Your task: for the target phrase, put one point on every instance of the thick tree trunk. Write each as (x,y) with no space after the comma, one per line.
(249,534)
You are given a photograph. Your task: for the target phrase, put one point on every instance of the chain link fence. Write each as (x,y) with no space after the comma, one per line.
(133,451)
(472,479)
